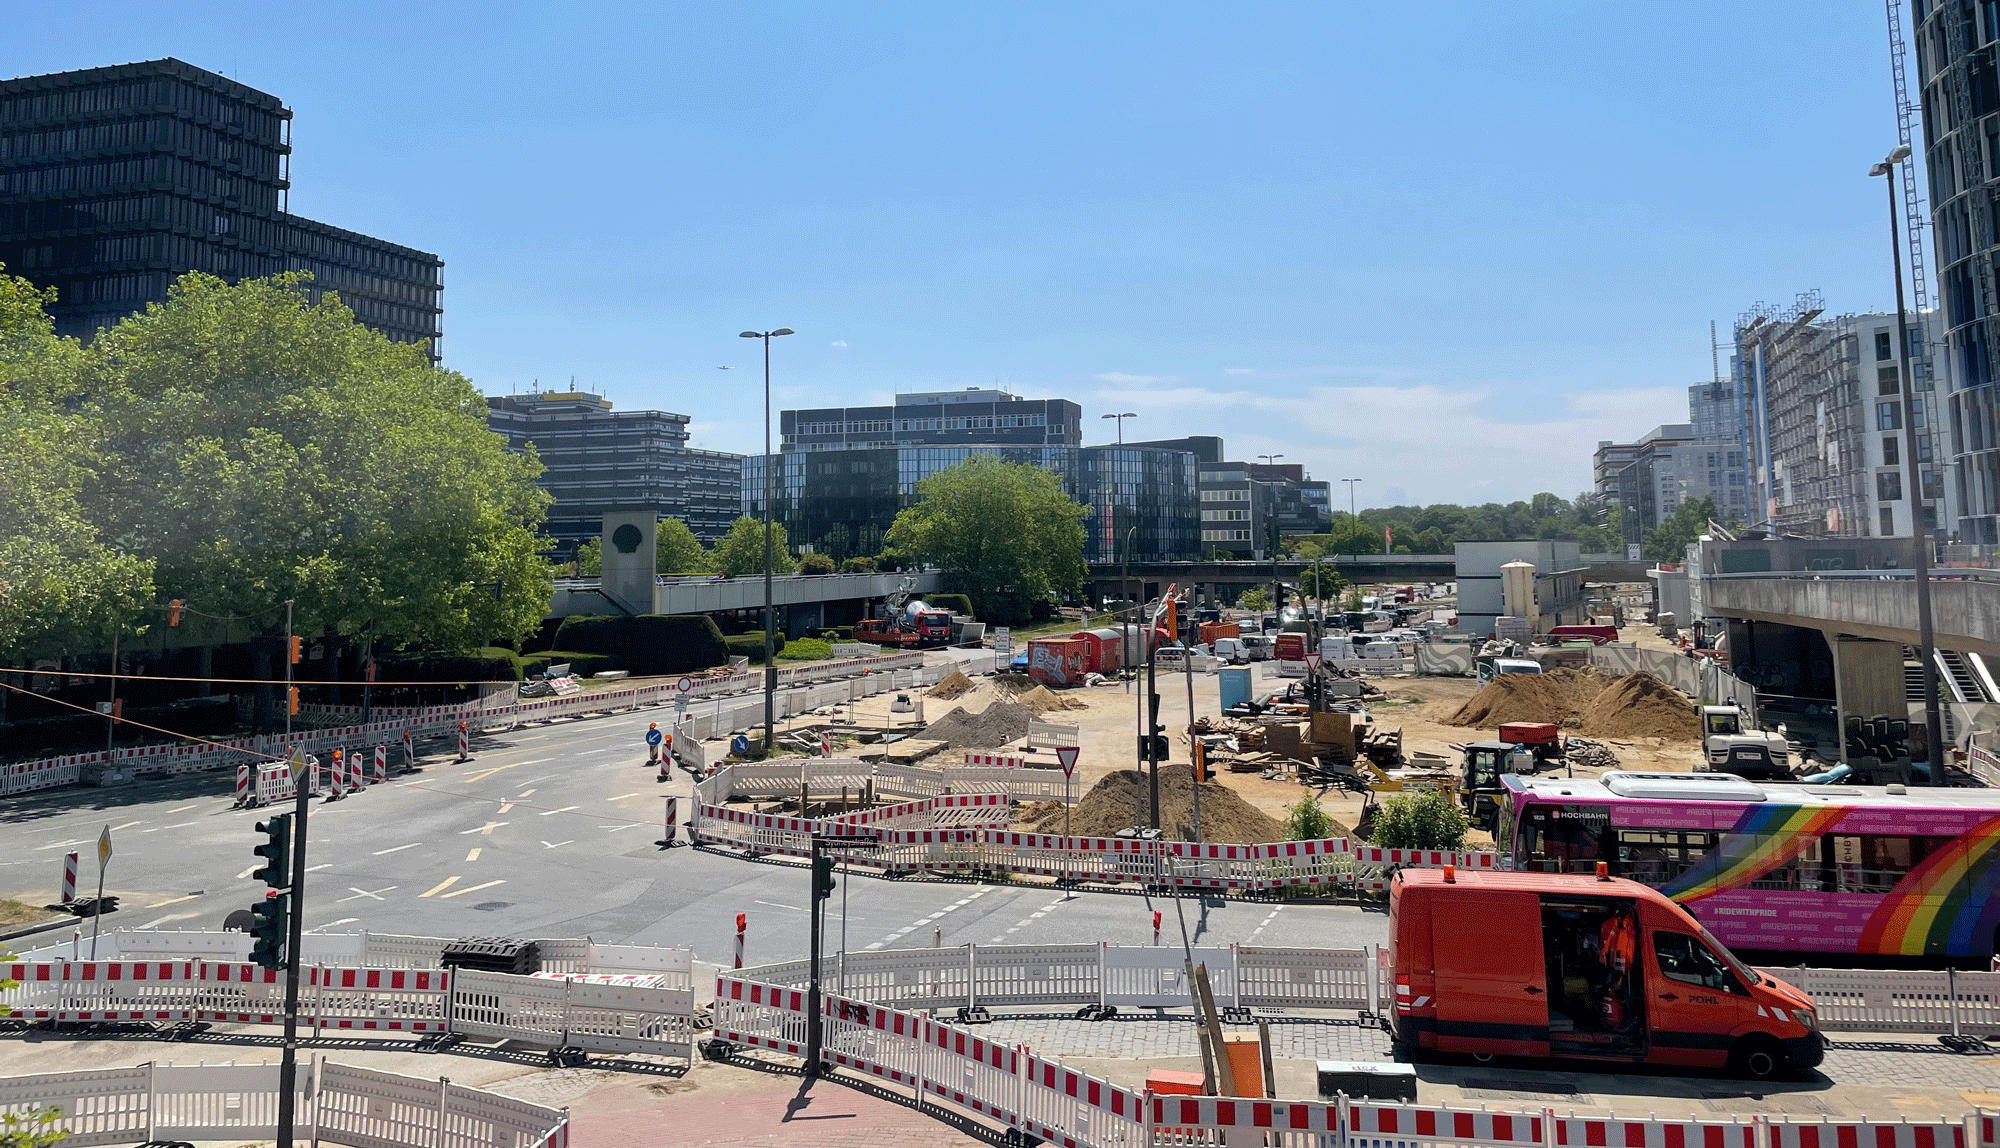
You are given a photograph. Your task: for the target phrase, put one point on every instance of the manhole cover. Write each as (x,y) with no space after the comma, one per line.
(489,906)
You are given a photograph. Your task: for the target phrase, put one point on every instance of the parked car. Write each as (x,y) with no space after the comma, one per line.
(1231,651)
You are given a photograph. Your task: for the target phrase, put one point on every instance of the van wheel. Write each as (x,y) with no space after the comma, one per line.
(1483,1057)
(1759,1058)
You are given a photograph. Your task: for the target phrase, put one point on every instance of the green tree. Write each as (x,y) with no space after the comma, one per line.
(590,558)
(677,551)
(1255,599)
(1420,819)
(1307,820)
(64,586)
(741,551)
(1668,542)
(265,447)
(858,565)
(1003,533)
(815,564)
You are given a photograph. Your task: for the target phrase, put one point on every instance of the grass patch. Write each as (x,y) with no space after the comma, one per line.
(20,912)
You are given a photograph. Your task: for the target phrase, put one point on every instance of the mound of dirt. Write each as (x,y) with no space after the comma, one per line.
(1042,699)
(1013,684)
(1112,804)
(1560,696)
(1000,723)
(953,685)
(1641,705)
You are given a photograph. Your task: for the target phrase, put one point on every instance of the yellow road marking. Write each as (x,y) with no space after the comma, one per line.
(440,887)
(471,889)
(474,855)
(173,900)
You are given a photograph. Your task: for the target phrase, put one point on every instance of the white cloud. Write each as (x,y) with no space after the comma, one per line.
(1437,443)
(1120,379)
(839,343)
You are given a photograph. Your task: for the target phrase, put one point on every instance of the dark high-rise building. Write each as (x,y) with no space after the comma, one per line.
(115,181)
(598,459)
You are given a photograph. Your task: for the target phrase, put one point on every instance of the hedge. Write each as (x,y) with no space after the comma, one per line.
(751,645)
(580,665)
(76,732)
(956,603)
(486,664)
(647,645)
(806,650)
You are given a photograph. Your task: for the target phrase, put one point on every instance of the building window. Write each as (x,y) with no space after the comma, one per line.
(1885,346)
(1933,485)
(1889,452)
(1886,382)
(1888,486)
(1888,523)
(1888,416)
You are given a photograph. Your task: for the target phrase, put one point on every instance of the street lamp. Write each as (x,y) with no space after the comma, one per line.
(1920,542)
(770,496)
(1121,424)
(1268,457)
(1350,495)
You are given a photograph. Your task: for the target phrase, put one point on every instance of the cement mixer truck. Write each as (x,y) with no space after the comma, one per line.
(911,625)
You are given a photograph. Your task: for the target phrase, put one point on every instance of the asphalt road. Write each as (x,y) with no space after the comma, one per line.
(550,831)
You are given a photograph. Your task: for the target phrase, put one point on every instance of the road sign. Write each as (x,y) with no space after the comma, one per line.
(297,761)
(681,703)
(1066,757)
(685,685)
(654,737)
(1312,663)
(104,846)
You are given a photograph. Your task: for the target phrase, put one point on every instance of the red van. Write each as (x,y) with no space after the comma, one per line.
(1569,965)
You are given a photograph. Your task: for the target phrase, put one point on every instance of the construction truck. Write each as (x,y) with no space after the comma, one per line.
(910,624)
(1729,747)
(1479,789)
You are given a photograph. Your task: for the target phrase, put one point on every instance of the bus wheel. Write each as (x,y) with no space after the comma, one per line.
(1758,1058)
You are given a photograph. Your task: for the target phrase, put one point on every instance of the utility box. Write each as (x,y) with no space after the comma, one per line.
(1367,1080)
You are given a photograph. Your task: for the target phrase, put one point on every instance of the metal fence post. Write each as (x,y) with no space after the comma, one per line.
(444,1108)
(152,1099)
(971,974)
(1951,990)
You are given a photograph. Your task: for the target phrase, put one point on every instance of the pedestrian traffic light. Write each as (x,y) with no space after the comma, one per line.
(276,851)
(267,931)
(823,884)
(296,644)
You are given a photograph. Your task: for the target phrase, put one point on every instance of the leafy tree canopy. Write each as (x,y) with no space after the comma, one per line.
(1589,519)
(1668,542)
(1003,533)
(676,550)
(741,551)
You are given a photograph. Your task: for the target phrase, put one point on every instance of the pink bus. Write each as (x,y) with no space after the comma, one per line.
(1809,868)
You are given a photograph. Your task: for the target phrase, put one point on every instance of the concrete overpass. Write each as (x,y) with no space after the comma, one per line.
(1363,568)
(1877,604)
(805,601)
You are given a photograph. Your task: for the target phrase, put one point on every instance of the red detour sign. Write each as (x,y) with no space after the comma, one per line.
(1066,757)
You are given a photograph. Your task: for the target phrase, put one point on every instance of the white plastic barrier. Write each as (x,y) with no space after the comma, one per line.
(1900,1000)
(335,1104)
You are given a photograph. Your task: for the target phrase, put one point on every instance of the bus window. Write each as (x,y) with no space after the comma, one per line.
(1875,863)
(1659,856)
(1564,838)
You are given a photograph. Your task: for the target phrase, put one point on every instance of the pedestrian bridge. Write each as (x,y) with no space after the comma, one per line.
(803,597)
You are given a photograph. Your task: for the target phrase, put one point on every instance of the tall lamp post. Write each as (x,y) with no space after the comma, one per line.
(770,496)
(1121,424)
(1271,528)
(1920,533)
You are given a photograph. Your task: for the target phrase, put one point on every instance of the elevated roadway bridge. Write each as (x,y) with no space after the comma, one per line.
(1106,578)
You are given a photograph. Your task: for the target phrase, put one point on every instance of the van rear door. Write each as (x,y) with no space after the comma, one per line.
(1491,994)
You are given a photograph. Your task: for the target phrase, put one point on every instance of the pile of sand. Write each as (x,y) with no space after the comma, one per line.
(1526,697)
(1641,705)
(1112,805)
(1042,699)
(1584,701)
(1000,723)
(953,685)
(1013,684)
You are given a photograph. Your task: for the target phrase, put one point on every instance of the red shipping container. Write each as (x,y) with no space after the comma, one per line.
(1102,647)
(1057,661)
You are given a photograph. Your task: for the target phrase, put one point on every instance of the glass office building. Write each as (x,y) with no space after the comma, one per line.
(842,502)
(116,181)
(598,459)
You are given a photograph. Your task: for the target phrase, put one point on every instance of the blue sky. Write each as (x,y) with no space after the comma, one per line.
(1441,248)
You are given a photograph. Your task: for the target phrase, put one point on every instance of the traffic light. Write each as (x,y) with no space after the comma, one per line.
(822,878)
(174,612)
(276,851)
(1154,748)
(296,644)
(292,698)
(267,932)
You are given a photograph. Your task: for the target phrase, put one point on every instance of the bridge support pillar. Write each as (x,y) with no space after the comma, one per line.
(1868,680)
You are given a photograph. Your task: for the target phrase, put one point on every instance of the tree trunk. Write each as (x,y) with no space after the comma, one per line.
(329,664)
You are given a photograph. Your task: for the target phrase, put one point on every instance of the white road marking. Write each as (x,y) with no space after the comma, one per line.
(182,809)
(487,828)
(397,849)
(247,872)
(557,844)
(471,889)
(156,923)
(128,825)
(623,796)
(627,825)
(360,893)
(775,905)
(331,924)
(62,844)
(553,812)
(317,868)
